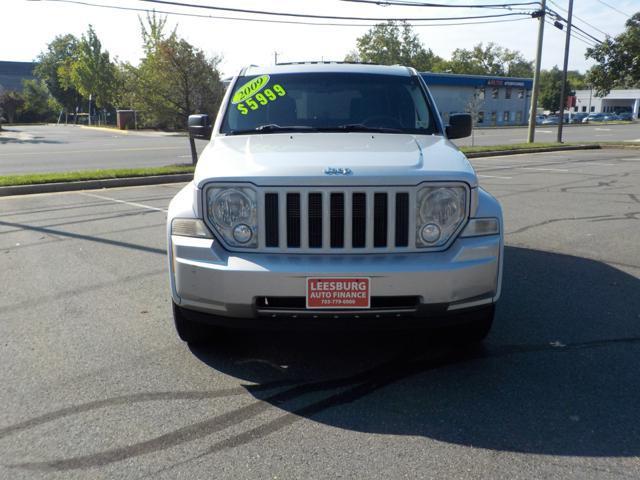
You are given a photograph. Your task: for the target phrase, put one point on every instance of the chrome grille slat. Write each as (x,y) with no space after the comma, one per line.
(391,219)
(282,219)
(369,221)
(304,220)
(326,218)
(348,219)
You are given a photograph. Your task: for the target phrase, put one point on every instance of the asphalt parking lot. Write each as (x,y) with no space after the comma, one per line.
(62,148)
(97,385)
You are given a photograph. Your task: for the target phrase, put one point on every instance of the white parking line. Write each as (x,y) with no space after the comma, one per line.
(494,176)
(546,169)
(132,204)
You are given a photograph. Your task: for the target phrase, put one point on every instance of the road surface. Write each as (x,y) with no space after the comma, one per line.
(96,383)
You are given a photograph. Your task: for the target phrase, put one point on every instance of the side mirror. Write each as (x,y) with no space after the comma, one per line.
(460,126)
(200,126)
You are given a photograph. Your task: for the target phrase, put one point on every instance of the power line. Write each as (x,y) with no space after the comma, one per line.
(614,9)
(582,20)
(404,3)
(560,17)
(324,17)
(264,20)
(576,35)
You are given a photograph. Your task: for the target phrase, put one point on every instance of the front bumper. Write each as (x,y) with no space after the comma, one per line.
(231,286)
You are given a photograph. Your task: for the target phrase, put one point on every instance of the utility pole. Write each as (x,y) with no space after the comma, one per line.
(564,71)
(536,75)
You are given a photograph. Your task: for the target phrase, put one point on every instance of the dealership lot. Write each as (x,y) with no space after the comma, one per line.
(97,385)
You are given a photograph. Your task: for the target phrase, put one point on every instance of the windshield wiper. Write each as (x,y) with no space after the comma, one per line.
(273,128)
(360,127)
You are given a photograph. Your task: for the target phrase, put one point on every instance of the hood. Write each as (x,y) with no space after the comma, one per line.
(301,159)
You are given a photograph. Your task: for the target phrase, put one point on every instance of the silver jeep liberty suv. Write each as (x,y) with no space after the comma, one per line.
(330,195)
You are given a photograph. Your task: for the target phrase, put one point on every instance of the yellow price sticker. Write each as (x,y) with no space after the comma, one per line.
(249,89)
(262,98)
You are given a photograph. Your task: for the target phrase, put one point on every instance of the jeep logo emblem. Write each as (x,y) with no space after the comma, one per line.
(337,171)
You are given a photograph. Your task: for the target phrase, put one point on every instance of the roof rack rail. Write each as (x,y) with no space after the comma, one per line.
(312,62)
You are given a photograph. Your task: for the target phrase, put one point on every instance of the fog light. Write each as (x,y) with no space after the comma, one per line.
(430,233)
(242,233)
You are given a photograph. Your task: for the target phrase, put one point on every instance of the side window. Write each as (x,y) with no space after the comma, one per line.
(593,109)
(480,117)
(494,117)
(494,92)
(521,93)
(481,93)
(505,116)
(518,117)
(584,109)
(507,93)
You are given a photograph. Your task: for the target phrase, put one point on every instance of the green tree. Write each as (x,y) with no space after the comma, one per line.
(10,104)
(174,79)
(54,66)
(394,43)
(38,103)
(490,60)
(617,60)
(92,72)
(551,87)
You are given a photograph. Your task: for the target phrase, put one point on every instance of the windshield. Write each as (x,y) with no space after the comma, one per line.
(328,102)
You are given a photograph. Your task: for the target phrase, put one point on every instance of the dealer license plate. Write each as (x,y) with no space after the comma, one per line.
(340,292)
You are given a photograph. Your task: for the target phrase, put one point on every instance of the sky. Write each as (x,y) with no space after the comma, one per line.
(28,25)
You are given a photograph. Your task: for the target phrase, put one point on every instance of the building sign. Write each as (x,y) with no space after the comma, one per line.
(495,82)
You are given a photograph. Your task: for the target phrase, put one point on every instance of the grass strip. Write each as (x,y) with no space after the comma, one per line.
(38,178)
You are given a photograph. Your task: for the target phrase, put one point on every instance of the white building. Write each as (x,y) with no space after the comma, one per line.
(617,101)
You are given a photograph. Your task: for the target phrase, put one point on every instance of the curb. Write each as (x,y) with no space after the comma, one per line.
(105,129)
(94,184)
(499,153)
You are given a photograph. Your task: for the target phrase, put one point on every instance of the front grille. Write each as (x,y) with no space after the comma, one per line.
(357,219)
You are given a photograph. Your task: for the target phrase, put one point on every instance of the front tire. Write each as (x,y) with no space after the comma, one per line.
(190,331)
(476,329)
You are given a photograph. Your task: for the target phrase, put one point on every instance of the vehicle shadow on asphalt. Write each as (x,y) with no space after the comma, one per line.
(558,375)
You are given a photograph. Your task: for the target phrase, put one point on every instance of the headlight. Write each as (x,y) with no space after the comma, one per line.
(233,213)
(440,212)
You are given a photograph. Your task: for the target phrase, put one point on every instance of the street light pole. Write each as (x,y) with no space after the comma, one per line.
(536,74)
(564,72)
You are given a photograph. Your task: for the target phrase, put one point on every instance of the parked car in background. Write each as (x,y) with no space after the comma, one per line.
(596,117)
(625,116)
(578,117)
(551,120)
(539,119)
(332,195)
